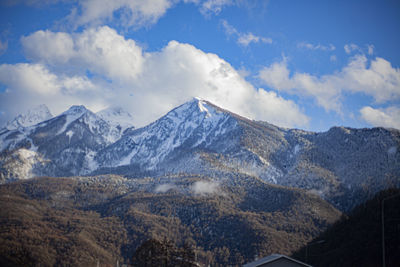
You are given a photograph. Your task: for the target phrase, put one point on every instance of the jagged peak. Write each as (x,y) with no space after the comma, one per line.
(202,104)
(189,108)
(197,98)
(76,110)
(31,117)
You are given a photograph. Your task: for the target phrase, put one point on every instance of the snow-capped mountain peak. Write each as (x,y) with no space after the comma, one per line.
(76,110)
(202,104)
(195,107)
(71,115)
(31,117)
(117,117)
(193,124)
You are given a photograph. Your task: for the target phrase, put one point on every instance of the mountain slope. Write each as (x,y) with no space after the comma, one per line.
(78,220)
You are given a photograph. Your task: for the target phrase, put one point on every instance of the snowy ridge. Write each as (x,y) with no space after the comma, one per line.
(109,124)
(196,120)
(72,114)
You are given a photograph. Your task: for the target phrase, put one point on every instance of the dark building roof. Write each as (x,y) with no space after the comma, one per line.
(273,260)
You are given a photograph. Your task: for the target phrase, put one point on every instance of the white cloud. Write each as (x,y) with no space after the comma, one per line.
(243,39)
(127,13)
(379,80)
(389,117)
(214,6)
(49,47)
(145,84)
(100,50)
(131,13)
(229,29)
(34,77)
(205,187)
(247,38)
(368,49)
(333,58)
(349,48)
(310,46)
(182,71)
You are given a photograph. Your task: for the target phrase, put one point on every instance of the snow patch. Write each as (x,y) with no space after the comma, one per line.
(202,107)
(26,154)
(296,149)
(69,134)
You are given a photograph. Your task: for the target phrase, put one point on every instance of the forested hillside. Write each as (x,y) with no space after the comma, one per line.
(356,240)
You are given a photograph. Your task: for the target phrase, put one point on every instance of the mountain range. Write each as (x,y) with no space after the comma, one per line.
(82,187)
(345,166)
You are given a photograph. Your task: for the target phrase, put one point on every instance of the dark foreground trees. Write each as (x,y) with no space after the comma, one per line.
(163,253)
(356,240)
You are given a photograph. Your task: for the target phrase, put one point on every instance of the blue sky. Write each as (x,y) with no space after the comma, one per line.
(304,64)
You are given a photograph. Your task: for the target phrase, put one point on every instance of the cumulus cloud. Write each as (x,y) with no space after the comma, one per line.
(146,84)
(136,13)
(163,188)
(386,117)
(377,79)
(101,50)
(49,47)
(205,187)
(310,46)
(243,39)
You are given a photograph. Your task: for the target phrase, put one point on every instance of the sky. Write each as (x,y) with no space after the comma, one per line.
(309,64)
